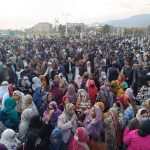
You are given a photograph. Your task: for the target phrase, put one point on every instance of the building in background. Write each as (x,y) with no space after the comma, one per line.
(43,28)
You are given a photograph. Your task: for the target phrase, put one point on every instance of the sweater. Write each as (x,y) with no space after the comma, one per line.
(134,141)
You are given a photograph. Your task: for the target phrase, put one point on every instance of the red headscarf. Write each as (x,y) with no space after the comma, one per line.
(10,90)
(92,90)
(81,143)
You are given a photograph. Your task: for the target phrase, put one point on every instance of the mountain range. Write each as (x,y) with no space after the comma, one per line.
(142,20)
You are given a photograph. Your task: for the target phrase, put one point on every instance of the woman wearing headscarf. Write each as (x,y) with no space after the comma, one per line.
(11,88)
(49,98)
(33,142)
(122,89)
(113,125)
(25,85)
(28,103)
(92,91)
(141,114)
(56,91)
(103,79)
(43,81)
(108,95)
(8,138)
(80,140)
(146,105)
(138,139)
(71,93)
(121,78)
(24,123)
(129,112)
(54,113)
(3,89)
(9,109)
(102,108)
(68,122)
(18,98)
(93,123)
(56,140)
(36,83)
(78,82)
(64,102)
(39,97)
(114,88)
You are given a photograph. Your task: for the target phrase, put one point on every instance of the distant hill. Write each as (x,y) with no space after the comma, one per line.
(142,20)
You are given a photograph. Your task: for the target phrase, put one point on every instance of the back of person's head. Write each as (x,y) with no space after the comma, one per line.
(35,122)
(41,146)
(31,140)
(144,128)
(134,124)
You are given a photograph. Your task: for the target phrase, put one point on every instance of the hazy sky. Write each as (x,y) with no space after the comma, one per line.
(19,14)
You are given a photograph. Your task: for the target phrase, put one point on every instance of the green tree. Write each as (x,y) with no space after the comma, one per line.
(78,29)
(106,29)
(148,29)
(62,29)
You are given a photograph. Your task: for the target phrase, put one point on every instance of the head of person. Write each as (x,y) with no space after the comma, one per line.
(144,128)
(121,77)
(91,83)
(129,92)
(104,89)
(103,75)
(8,135)
(81,135)
(71,88)
(49,64)
(9,104)
(65,100)
(23,83)
(56,139)
(35,122)
(88,63)
(17,95)
(53,106)
(28,99)
(4,84)
(32,140)
(101,106)
(124,85)
(70,108)
(50,97)
(134,124)
(69,59)
(142,114)
(26,115)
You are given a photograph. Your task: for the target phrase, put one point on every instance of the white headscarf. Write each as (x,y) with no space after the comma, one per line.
(26,116)
(9,140)
(25,104)
(78,81)
(36,83)
(3,89)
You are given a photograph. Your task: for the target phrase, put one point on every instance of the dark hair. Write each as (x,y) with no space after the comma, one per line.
(31,140)
(144,128)
(134,124)
(35,122)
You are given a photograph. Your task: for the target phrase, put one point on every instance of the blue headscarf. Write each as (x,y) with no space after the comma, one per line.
(38,97)
(56,139)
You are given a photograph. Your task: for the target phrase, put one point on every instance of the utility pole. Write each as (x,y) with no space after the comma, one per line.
(65,15)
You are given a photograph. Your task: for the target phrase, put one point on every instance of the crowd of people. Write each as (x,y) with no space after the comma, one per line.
(63,93)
